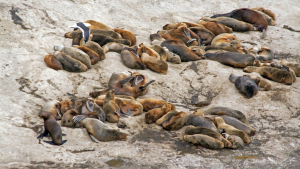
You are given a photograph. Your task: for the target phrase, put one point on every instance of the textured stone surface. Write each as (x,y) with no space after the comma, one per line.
(28,31)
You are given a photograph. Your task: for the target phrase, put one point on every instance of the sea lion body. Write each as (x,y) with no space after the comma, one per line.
(246,86)
(198,121)
(215,27)
(154,64)
(172,57)
(233,59)
(198,50)
(115,77)
(88,108)
(53,63)
(77,35)
(113,47)
(266,11)
(110,108)
(154,114)
(145,49)
(53,107)
(95,47)
(131,105)
(66,105)
(126,34)
(265,54)
(220,111)
(151,103)
(173,121)
(236,141)
(176,25)
(205,141)
(103,40)
(67,119)
(264,84)
(70,64)
(94,57)
(131,59)
(294,66)
(235,24)
(239,125)
(185,35)
(160,51)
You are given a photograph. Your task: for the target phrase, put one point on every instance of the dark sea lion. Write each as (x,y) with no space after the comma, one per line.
(131,59)
(93,55)
(152,103)
(205,141)
(275,74)
(264,84)
(265,54)
(184,52)
(154,64)
(266,11)
(239,125)
(53,107)
(77,35)
(51,127)
(267,14)
(70,64)
(53,63)
(100,131)
(205,35)
(235,24)
(246,86)
(292,65)
(232,130)
(198,121)
(233,59)
(191,130)
(236,141)
(175,122)
(215,27)
(154,114)
(126,34)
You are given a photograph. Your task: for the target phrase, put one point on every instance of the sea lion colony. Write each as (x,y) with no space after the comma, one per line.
(211,38)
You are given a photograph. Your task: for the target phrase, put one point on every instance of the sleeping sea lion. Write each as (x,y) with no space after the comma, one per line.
(246,86)
(70,64)
(233,59)
(235,24)
(126,34)
(53,63)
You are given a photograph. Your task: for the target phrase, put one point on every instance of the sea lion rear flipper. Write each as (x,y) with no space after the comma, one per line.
(78,118)
(90,105)
(138,79)
(146,85)
(58,112)
(128,112)
(63,142)
(187,32)
(94,139)
(43,135)
(63,134)
(52,143)
(126,80)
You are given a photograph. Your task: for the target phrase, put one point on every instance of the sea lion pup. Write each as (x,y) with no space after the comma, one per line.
(184,52)
(126,34)
(89,109)
(292,65)
(266,11)
(51,127)
(154,114)
(94,46)
(97,25)
(99,131)
(174,122)
(129,106)
(265,54)
(199,121)
(232,130)
(204,34)
(131,59)
(220,111)
(70,64)
(191,130)
(176,25)
(204,141)
(76,54)
(103,40)
(116,77)
(236,141)
(198,50)
(111,109)
(274,74)
(250,16)
(172,57)
(233,59)
(264,84)
(246,86)
(234,24)
(154,64)
(215,27)
(113,47)
(152,103)
(239,125)
(53,107)
(66,105)
(53,63)
(94,57)
(67,119)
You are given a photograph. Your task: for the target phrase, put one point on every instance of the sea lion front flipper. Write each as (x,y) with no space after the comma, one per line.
(129,113)
(62,134)
(78,118)
(90,105)
(191,40)
(43,135)
(52,143)
(94,139)
(58,112)
(126,80)
(187,32)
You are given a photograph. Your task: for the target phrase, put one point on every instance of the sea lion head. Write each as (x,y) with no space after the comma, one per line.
(45,115)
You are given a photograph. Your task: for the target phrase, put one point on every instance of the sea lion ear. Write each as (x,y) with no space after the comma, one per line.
(90,105)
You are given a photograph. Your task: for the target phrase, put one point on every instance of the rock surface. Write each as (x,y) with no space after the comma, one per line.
(28,31)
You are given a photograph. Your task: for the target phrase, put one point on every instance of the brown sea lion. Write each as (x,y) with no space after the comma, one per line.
(232,130)
(53,107)
(131,59)
(205,35)
(172,57)
(265,54)
(205,141)
(191,130)
(154,64)
(250,16)
(246,86)
(70,64)
(151,103)
(156,36)
(154,114)
(239,125)
(97,25)
(100,99)
(266,11)
(51,127)
(116,77)
(235,24)
(292,65)
(77,35)
(198,50)
(53,63)
(264,84)
(143,48)
(67,119)
(94,46)
(176,25)
(198,121)
(215,27)
(113,47)
(110,108)
(160,50)
(66,105)
(184,52)
(231,59)
(129,106)
(99,131)
(88,108)
(126,34)
(93,55)
(173,121)
(274,74)
(223,40)
(236,141)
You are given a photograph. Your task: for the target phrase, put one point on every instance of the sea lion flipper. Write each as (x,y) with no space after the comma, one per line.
(146,85)
(90,105)
(63,142)
(139,78)
(126,80)
(94,139)
(78,118)
(58,112)
(63,134)
(191,40)
(43,135)
(187,32)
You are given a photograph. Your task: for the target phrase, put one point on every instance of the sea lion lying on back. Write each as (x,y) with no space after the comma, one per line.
(188,37)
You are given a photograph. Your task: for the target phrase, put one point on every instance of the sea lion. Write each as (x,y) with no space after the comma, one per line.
(173,121)
(205,35)
(172,57)
(151,103)
(94,46)
(154,114)
(94,57)
(233,59)
(76,54)
(53,63)
(236,141)
(266,11)
(156,36)
(131,59)
(66,105)
(246,86)
(285,68)
(111,109)
(274,74)
(224,40)
(176,25)
(184,34)
(292,65)
(113,47)
(97,25)
(250,16)
(70,64)
(205,141)
(126,34)
(115,77)
(53,107)
(154,64)
(103,40)
(160,51)
(265,54)
(268,18)
(232,130)
(100,99)
(77,35)
(264,84)
(100,131)
(51,127)
(234,24)
(129,106)
(239,125)
(67,119)
(198,50)
(220,111)
(143,48)
(215,27)
(88,108)
(191,130)
(199,121)
(184,52)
